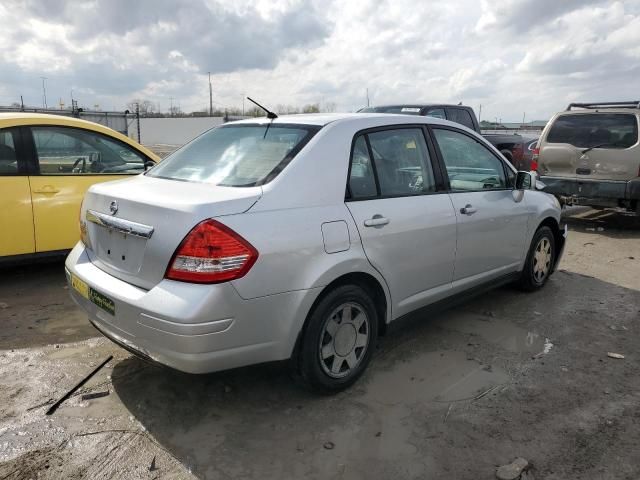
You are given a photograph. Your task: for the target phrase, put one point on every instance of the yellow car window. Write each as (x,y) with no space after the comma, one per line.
(72,151)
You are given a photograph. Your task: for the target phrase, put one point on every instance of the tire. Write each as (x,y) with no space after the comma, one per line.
(542,252)
(338,340)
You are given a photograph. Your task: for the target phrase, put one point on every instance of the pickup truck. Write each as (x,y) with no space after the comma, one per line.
(514,147)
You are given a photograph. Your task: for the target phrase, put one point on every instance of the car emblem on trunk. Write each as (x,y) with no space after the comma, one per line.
(113,207)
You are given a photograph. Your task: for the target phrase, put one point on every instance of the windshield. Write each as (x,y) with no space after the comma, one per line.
(236,155)
(405,110)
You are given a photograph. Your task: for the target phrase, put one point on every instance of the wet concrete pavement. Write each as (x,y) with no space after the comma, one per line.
(448,395)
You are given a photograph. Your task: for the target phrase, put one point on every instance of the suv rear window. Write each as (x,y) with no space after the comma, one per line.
(236,155)
(608,130)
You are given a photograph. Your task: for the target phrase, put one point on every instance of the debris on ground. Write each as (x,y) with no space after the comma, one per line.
(4,305)
(152,467)
(448,412)
(329,445)
(614,327)
(615,355)
(513,470)
(91,396)
(71,391)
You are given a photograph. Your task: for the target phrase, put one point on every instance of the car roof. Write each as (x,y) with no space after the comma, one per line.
(599,110)
(322,119)
(417,105)
(15,119)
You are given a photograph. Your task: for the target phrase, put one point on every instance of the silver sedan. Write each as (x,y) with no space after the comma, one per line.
(302,238)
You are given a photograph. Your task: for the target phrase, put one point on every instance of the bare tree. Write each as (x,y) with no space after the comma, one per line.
(311,108)
(329,107)
(147,107)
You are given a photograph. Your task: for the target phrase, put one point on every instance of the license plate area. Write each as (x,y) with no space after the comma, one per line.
(91,294)
(118,250)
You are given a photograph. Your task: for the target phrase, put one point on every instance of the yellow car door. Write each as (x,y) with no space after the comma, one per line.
(16,217)
(69,161)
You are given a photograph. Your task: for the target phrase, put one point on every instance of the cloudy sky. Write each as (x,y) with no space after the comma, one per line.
(510,56)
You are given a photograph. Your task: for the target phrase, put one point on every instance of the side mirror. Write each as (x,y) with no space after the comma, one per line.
(149,164)
(525,181)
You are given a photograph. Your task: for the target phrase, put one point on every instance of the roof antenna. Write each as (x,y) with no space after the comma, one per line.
(270,114)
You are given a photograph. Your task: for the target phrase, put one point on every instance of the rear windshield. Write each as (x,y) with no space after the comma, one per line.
(406,110)
(607,130)
(236,155)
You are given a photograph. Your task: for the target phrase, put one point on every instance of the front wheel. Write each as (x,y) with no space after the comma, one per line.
(338,340)
(540,260)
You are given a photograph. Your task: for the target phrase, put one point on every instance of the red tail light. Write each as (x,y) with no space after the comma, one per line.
(211,253)
(534,158)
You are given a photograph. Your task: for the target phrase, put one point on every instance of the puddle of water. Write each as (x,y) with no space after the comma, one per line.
(500,332)
(444,376)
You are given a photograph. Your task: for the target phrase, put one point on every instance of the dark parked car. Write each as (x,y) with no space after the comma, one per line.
(512,146)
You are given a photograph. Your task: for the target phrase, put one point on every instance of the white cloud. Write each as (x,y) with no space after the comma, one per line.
(511,56)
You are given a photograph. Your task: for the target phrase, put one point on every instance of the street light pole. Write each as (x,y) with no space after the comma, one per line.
(44,93)
(210,97)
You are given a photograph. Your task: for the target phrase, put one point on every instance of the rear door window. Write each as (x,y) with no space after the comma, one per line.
(400,167)
(595,130)
(402,162)
(362,183)
(8,152)
(242,155)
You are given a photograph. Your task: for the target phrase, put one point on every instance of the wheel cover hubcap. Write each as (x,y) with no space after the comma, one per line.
(542,257)
(344,340)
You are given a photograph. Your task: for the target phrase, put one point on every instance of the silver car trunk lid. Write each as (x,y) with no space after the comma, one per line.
(135,225)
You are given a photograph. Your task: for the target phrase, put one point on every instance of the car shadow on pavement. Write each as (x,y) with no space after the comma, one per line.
(36,308)
(255,422)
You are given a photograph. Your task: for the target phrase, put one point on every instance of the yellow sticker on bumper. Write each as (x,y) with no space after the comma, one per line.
(81,287)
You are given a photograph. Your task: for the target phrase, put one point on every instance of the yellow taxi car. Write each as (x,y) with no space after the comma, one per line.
(47,163)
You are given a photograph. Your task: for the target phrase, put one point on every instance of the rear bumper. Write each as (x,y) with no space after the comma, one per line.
(585,189)
(192,328)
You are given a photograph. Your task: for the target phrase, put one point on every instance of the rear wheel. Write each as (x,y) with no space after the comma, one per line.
(540,260)
(338,340)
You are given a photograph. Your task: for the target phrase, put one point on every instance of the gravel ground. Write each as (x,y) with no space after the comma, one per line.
(449,395)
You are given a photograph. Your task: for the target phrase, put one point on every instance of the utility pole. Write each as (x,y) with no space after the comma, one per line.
(367,97)
(210,97)
(480,113)
(243,104)
(44,93)
(171,106)
(21,104)
(523,115)
(138,120)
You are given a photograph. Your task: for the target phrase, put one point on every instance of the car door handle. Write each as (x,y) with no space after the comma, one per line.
(376,221)
(47,189)
(468,209)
